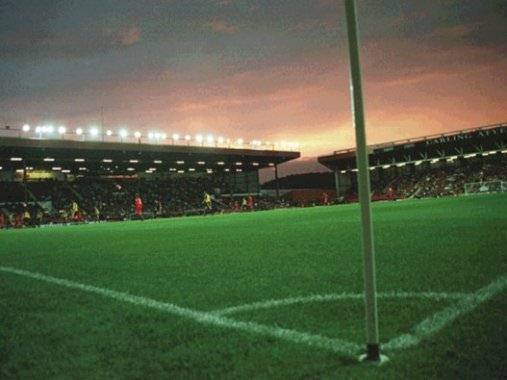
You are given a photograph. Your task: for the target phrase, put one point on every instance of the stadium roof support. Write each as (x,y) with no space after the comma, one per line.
(119,158)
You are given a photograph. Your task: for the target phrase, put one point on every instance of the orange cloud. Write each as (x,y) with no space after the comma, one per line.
(220,26)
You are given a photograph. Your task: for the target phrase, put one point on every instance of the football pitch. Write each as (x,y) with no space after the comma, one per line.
(266,294)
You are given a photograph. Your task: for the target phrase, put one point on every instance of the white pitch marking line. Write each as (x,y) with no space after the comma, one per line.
(440,319)
(335,297)
(332,344)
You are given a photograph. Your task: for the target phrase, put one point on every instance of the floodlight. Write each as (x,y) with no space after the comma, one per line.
(240,141)
(188,137)
(137,134)
(176,137)
(26,128)
(94,132)
(220,140)
(199,138)
(109,132)
(61,130)
(123,133)
(49,159)
(38,129)
(79,131)
(16,159)
(79,159)
(210,139)
(157,161)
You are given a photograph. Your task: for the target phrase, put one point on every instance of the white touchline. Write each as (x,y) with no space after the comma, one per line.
(442,318)
(333,344)
(465,304)
(335,297)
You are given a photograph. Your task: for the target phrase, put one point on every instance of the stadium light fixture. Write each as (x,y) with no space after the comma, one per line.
(131,169)
(49,159)
(66,171)
(221,163)
(188,137)
(19,170)
(255,164)
(210,139)
(227,170)
(133,161)
(239,170)
(191,169)
(220,140)
(29,168)
(181,171)
(137,134)
(1,167)
(107,160)
(16,159)
(61,130)
(109,132)
(49,129)
(38,129)
(199,138)
(343,171)
(157,161)
(209,171)
(56,168)
(82,168)
(240,141)
(172,169)
(180,162)
(363,179)
(175,137)
(201,163)
(123,133)
(163,136)
(94,132)
(239,163)
(79,131)
(25,128)
(79,160)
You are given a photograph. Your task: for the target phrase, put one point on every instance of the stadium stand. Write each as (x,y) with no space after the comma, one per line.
(42,178)
(33,192)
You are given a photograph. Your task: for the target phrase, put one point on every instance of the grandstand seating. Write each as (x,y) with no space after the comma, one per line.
(180,195)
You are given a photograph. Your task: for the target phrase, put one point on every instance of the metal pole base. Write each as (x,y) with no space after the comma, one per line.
(373,355)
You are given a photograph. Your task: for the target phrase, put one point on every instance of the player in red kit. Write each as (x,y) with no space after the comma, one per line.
(138,207)
(325,199)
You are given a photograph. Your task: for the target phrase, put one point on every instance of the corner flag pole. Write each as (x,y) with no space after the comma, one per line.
(372,335)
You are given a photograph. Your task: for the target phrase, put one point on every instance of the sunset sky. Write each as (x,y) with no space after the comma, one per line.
(267,69)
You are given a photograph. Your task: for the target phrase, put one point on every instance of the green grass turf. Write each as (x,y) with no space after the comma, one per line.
(209,263)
